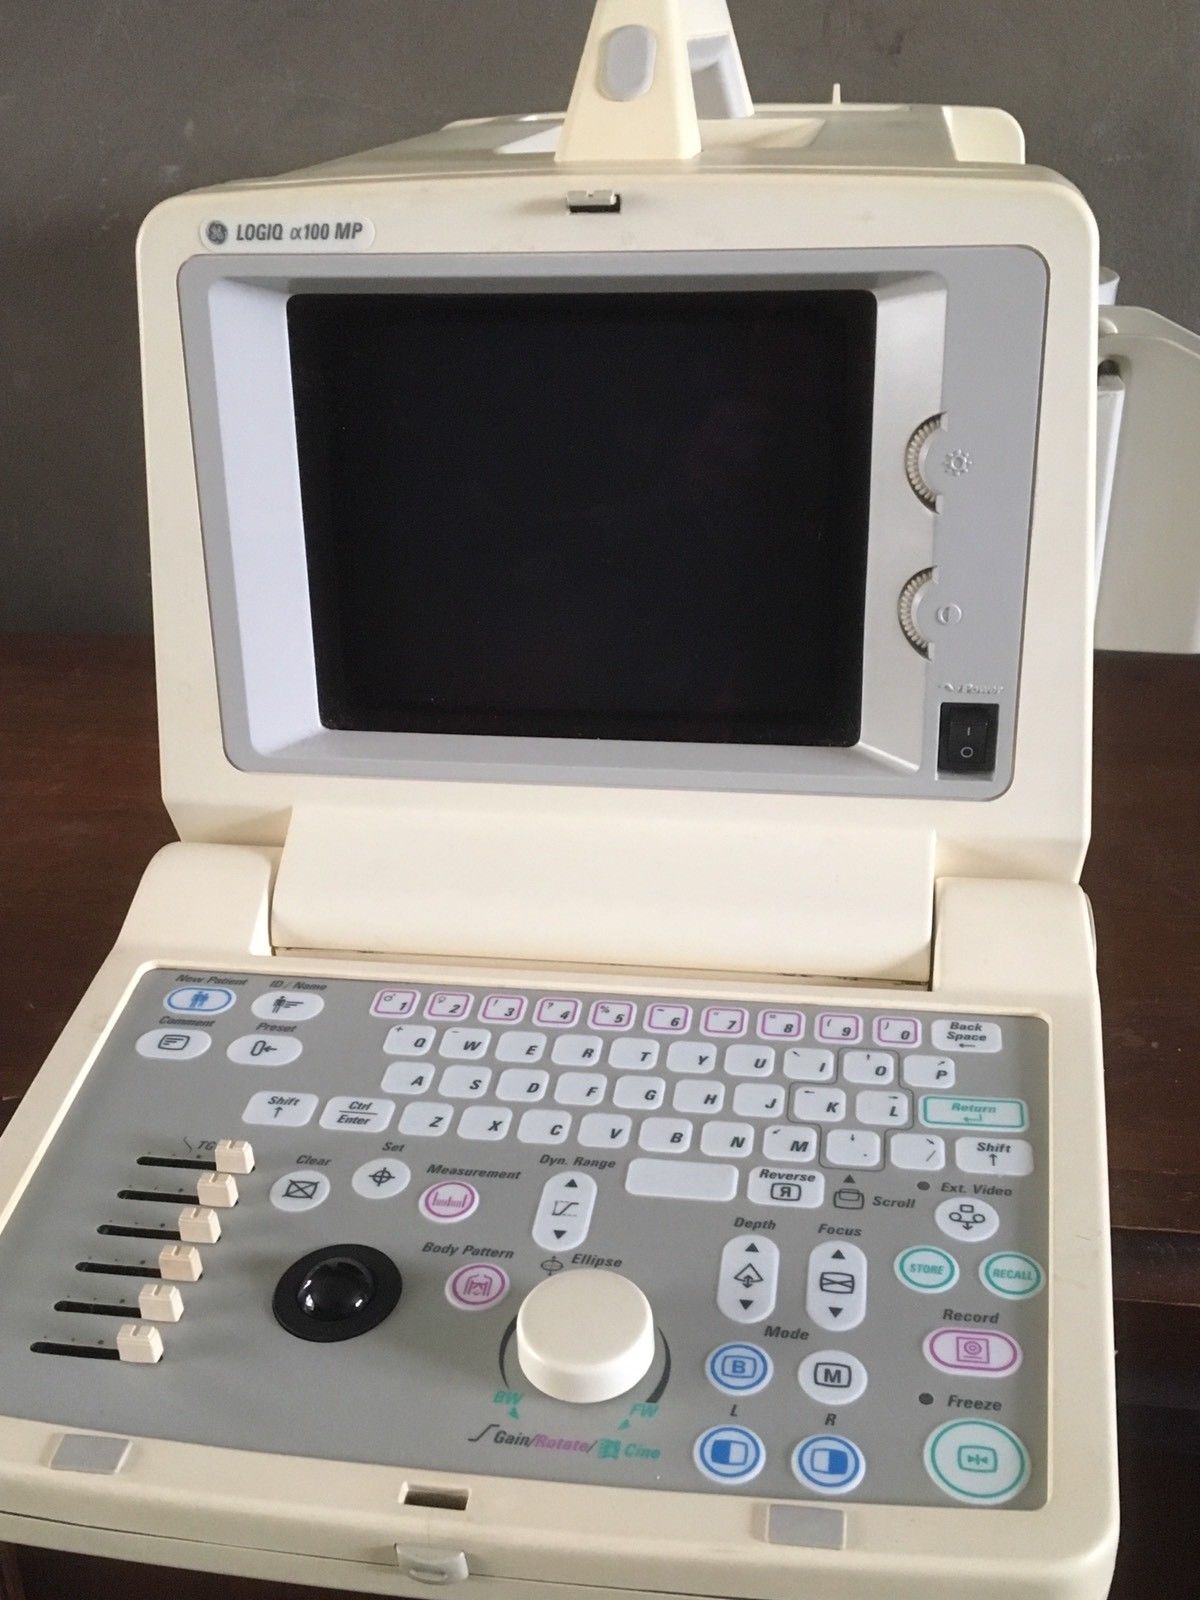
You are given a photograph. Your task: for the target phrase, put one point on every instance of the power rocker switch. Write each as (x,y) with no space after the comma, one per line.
(967,740)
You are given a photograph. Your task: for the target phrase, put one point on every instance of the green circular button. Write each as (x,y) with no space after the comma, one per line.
(926,1268)
(1011,1275)
(979,1463)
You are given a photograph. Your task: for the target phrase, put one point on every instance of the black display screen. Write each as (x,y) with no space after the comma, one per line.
(589,515)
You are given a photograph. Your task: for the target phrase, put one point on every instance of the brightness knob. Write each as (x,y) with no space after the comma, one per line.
(585,1336)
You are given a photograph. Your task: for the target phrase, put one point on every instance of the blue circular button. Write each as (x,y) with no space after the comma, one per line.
(739,1368)
(200,1000)
(828,1463)
(729,1454)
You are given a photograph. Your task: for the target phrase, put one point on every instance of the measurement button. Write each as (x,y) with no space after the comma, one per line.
(380,1179)
(173,1044)
(449,1201)
(476,1286)
(748,1279)
(287,1005)
(264,1050)
(739,1368)
(279,1109)
(394,1003)
(954,1111)
(200,1001)
(729,1454)
(979,1463)
(1011,1275)
(955,1033)
(784,1186)
(926,1268)
(564,1211)
(970,1220)
(836,1295)
(833,1377)
(299,1191)
(985,1355)
(828,1463)
(1013,1158)
(357,1115)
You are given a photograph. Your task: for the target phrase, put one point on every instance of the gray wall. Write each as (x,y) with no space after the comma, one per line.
(108,105)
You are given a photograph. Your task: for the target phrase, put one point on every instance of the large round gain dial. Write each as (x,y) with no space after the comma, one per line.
(585,1336)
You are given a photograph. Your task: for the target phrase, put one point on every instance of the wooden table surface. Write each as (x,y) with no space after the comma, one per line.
(80,815)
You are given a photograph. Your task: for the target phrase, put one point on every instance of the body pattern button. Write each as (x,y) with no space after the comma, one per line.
(449,1201)
(564,1211)
(380,1179)
(729,1454)
(926,1268)
(299,1191)
(200,1000)
(1011,1275)
(836,1295)
(739,1368)
(748,1278)
(979,1463)
(834,1377)
(967,1219)
(987,1355)
(828,1463)
(476,1285)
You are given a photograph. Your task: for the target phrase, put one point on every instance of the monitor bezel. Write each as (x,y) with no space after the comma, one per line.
(935,351)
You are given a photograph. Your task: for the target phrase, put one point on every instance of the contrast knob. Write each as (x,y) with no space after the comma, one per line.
(585,1336)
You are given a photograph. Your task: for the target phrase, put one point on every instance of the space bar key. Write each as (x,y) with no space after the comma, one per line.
(682,1180)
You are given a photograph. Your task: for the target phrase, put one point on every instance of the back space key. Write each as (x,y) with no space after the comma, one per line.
(681,1180)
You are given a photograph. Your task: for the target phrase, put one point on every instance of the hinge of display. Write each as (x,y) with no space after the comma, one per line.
(683,881)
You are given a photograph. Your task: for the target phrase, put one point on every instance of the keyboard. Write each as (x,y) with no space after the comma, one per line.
(300,1214)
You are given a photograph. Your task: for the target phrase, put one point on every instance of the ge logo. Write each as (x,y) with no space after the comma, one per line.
(216,233)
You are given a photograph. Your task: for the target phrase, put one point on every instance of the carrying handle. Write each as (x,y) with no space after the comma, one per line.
(649,71)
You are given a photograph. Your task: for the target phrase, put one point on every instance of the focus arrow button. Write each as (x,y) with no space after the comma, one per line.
(837,1286)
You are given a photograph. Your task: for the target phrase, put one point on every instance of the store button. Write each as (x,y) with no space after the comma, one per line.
(979,1463)
(828,1463)
(729,1454)
(926,1268)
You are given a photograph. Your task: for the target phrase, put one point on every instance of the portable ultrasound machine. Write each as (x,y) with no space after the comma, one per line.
(606,1094)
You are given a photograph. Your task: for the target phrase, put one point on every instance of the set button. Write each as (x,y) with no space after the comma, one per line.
(381,1179)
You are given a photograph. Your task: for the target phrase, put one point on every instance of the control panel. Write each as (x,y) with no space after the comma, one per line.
(795,1251)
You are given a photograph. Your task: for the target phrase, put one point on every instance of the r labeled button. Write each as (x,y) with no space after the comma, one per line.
(828,1463)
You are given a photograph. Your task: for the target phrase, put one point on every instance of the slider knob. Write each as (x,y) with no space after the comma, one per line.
(585,1336)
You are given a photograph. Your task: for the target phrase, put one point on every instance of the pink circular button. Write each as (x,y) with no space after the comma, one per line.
(476,1286)
(450,1201)
(989,1354)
